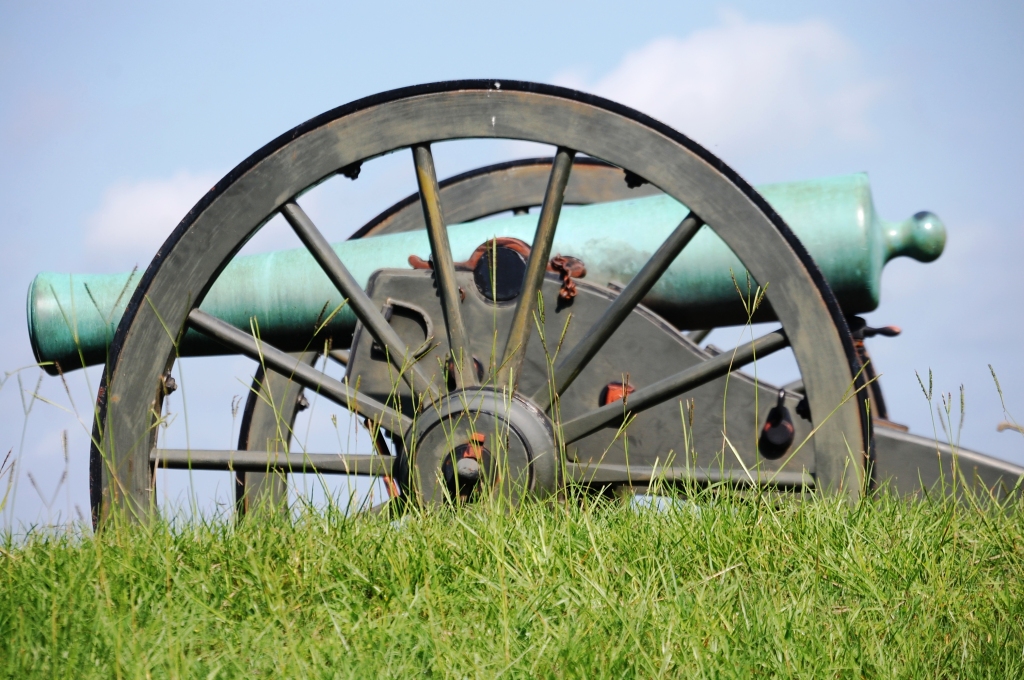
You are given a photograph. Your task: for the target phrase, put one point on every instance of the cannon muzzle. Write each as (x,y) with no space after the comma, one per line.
(285,295)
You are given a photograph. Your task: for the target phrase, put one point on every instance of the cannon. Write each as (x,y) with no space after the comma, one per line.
(833,217)
(510,355)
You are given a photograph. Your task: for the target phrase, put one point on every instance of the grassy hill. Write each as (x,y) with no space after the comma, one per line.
(720,585)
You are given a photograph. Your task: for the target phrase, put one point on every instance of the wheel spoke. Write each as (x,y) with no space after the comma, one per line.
(265,461)
(360,302)
(576,360)
(444,267)
(536,265)
(663,390)
(305,375)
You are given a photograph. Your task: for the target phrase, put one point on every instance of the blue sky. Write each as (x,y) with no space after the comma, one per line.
(115,117)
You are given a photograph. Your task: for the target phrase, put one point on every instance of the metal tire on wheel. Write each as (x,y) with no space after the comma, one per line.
(170,292)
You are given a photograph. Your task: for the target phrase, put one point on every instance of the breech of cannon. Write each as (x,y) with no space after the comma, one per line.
(285,296)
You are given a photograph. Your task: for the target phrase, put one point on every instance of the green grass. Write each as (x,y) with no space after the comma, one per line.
(723,586)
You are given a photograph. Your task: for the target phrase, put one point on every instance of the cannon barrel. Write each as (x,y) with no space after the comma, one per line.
(72,318)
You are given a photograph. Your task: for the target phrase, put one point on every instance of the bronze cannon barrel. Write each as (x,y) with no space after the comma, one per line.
(72,318)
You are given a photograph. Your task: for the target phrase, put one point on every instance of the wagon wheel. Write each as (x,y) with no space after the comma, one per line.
(274,400)
(167,300)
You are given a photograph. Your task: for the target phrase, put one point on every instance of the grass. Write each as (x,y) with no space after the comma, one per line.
(721,585)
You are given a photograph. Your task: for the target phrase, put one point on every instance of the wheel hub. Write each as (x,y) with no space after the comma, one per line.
(468,469)
(479,443)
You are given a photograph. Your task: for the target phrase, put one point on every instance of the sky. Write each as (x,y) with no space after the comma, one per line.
(115,118)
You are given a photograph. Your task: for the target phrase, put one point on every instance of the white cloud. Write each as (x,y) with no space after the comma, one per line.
(743,89)
(134,218)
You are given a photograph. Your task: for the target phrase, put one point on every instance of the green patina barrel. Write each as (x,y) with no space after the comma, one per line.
(71,318)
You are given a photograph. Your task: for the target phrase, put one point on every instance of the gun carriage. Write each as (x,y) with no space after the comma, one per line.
(509,355)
